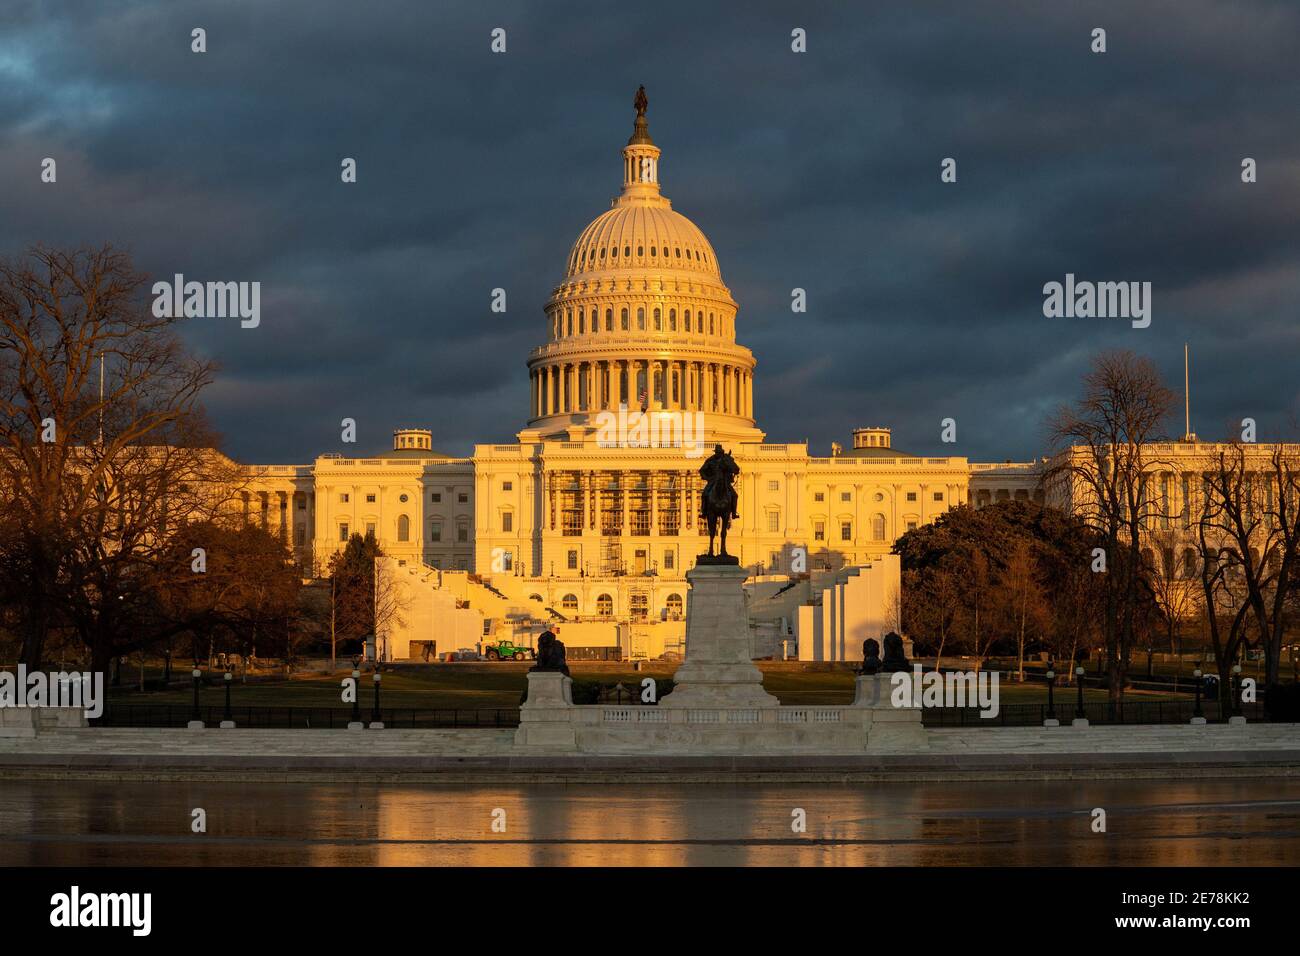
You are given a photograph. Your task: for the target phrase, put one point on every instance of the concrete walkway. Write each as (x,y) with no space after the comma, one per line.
(475,755)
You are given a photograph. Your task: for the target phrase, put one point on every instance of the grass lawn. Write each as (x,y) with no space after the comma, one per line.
(493,686)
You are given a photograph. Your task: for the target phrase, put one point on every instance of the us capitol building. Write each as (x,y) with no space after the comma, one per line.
(589,520)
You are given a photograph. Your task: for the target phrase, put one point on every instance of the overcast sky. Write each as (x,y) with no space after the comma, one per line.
(818,170)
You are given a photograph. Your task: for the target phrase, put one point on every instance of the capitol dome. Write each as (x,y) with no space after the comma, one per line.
(641,318)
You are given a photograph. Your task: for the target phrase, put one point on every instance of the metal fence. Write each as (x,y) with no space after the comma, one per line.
(302,718)
(1100,712)
(325,718)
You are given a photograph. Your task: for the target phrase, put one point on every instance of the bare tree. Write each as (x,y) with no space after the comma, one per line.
(103,448)
(1102,462)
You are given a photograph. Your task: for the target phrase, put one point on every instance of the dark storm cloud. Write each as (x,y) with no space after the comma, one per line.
(819,171)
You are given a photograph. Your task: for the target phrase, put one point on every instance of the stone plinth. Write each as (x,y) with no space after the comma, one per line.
(889,727)
(718,669)
(546,717)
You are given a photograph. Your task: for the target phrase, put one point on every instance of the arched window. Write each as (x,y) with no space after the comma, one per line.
(609,320)
(605,606)
(710,323)
(659,321)
(535,597)
(403,528)
(878,528)
(569,602)
(1189,563)
(582,321)
(674,607)
(672,320)
(624,317)
(686,320)
(640,320)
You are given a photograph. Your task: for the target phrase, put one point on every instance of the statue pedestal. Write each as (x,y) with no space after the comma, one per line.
(718,669)
(890,727)
(546,716)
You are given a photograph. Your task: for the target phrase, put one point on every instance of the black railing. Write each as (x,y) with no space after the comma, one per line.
(1097,712)
(314,718)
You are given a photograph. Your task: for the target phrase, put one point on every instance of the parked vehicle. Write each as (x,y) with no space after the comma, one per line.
(507,651)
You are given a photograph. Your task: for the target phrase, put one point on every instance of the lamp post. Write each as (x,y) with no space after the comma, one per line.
(227,720)
(1237,718)
(1080,718)
(1051,720)
(376,722)
(1198,716)
(196,719)
(355,723)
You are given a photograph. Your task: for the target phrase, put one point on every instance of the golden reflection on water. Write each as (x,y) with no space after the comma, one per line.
(1154,823)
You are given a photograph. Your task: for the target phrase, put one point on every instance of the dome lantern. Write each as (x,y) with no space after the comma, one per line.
(640,155)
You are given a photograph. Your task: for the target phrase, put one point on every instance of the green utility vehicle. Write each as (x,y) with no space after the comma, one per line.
(507,651)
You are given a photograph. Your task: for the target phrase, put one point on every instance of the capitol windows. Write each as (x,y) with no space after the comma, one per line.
(911,496)
(604,606)
(572,559)
(370,499)
(507,522)
(624,319)
(507,486)
(674,607)
(627,251)
(911,526)
(846,496)
(659,321)
(582,324)
(819,530)
(435,530)
(679,253)
(343,531)
(602,253)
(462,531)
(686,321)
(403,528)
(569,603)
(640,251)
(670,559)
(773,521)
(653,251)
(819,496)
(609,320)
(938,496)
(878,528)
(672,320)
(463,497)
(773,485)
(846,530)
(343,498)
(435,497)
(710,323)
(370,528)
(639,607)
(640,320)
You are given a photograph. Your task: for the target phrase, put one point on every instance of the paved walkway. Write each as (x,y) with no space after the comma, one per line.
(471,755)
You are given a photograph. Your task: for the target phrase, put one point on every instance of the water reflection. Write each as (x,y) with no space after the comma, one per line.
(1174,823)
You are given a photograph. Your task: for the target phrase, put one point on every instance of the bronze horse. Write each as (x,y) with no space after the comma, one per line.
(718,501)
